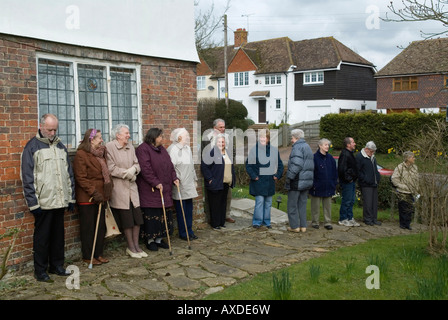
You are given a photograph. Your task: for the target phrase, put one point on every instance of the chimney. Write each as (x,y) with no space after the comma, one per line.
(240,37)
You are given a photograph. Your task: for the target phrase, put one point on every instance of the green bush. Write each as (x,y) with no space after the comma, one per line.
(387,130)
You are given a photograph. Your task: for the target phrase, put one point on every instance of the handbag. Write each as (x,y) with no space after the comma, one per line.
(111,225)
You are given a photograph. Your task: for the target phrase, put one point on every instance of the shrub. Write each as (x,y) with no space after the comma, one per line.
(387,130)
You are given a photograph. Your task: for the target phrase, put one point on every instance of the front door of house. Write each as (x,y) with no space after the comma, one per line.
(261,111)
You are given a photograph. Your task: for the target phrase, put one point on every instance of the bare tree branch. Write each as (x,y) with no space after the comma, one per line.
(206,24)
(421,10)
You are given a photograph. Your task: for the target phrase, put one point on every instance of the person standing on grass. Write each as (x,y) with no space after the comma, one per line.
(405,179)
(299,179)
(368,180)
(265,168)
(324,185)
(348,174)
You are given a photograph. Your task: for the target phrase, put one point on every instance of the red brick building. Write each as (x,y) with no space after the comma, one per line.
(415,79)
(85,87)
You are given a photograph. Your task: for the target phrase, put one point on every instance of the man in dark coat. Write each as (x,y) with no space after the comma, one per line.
(348,174)
(368,180)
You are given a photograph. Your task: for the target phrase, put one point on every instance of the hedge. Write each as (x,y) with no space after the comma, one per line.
(386,130)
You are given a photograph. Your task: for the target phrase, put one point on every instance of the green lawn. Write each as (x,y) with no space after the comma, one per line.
(243,192)
(406,271)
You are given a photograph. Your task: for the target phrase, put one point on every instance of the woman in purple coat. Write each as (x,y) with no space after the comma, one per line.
(157,173)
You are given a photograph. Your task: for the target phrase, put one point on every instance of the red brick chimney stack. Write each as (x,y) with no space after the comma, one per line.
(240,37)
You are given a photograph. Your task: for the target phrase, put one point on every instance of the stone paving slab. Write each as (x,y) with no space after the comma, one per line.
(217,259)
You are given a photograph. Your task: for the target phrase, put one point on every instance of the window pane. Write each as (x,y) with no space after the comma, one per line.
(56,95)
(124,100)
(93,99)
(266,79)
(246,78)
(279,79)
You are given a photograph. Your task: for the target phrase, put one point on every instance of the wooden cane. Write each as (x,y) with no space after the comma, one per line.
(96,233)
(183,213)
(166,223)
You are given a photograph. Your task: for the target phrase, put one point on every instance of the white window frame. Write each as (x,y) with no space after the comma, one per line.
(241,79)
(313,77)
(278,104)
(75,61)
(201,82)
(273,79)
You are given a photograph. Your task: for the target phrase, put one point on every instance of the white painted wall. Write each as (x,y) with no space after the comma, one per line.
(158,28)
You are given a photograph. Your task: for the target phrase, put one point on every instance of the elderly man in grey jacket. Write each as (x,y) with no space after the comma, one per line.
(299,179)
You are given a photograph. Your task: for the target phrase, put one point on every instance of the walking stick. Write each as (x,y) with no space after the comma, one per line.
(183,213)
(166,223)
(96,233)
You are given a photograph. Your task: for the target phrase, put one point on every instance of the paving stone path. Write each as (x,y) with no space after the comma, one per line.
(216,260)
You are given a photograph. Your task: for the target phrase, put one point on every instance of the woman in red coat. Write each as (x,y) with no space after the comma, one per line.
(93,185)
(157,173)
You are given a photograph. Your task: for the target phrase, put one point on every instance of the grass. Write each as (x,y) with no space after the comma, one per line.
(341,274)
(243,192)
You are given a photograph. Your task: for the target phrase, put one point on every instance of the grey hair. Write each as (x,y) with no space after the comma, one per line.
(408,155)
(216,121)
(323,141)
(47,115)
(298,133)
(371,145)
(116,130)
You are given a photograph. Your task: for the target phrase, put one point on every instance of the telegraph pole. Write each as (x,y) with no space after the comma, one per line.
(226,81)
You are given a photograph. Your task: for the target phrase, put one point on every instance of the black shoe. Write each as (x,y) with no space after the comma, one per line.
(377,223)
(42,277)
(256,226)
(60,271)
(152,246)
(315,226)
(328,227)
(193,237)
(369,223)
(163,244)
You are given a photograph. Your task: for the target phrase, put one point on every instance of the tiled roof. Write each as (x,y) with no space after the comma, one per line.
(277,55)
(420,57)
(323,53)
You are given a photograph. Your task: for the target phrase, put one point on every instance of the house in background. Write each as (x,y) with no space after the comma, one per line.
(416,79)
(93,64)
(291,81)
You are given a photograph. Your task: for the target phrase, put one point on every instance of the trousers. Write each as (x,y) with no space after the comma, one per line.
(48,239)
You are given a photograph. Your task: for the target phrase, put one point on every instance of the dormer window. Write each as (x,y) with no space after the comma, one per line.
(313,77)
(273,79)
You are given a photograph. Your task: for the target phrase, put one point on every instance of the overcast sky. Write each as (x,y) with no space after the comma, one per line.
(354,23)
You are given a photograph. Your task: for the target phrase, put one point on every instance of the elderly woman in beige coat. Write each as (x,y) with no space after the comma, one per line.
(124,202)
(182,159)
(405,179)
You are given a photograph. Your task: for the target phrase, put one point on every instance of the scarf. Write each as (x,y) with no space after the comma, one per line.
(99,154)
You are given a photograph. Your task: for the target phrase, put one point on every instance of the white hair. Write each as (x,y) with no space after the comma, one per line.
(176,133)
(323,141)
(116,130)
(371,145)
(298,133)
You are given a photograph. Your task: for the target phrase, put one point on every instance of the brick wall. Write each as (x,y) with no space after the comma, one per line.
(430,94)
(168,93)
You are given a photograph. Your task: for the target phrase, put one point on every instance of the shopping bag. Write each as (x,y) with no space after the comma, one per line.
(111,225)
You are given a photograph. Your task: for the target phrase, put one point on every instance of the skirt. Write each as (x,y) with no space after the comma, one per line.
(154,223)
(128,218)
